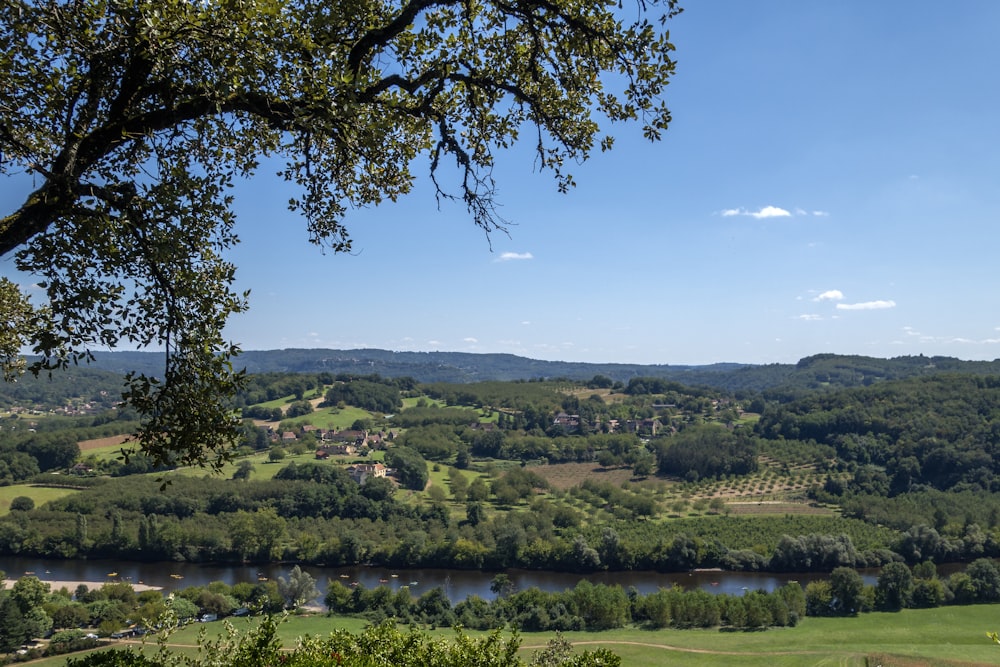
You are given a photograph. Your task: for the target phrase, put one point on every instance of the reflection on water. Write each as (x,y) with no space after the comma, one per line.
(457,584)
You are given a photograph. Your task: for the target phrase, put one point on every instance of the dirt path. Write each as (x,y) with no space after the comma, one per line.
(679,649)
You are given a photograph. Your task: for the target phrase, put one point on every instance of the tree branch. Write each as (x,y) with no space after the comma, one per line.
(382,36)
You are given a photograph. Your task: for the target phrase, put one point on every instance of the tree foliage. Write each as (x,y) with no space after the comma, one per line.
(127,122)
(706,451)
(382,644)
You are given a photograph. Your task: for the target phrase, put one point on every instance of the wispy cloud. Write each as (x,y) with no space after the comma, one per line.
(470,339)
(830,295)
(947,340)
(770,212)
(511,256)
(810,317)
(867,305)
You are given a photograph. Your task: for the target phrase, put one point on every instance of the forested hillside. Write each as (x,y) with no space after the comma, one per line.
(940,432)
(100,383)
(648,474)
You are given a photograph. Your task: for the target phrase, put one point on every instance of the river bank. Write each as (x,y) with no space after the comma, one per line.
(457,584)
(57,584)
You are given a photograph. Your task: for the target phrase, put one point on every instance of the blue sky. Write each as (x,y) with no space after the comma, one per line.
(829,184)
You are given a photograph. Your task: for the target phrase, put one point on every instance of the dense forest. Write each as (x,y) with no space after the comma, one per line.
(781,381)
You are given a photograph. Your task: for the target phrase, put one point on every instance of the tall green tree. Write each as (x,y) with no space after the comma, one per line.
(847,588)
(126,123)
(257,535)
(298,589)
(14,627)
(894,586)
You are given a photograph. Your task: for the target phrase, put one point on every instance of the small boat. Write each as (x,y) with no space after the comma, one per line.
(715,583)
(345,576)
(414,583)
(112,574)
(383,581)
(394,576)
(177,576)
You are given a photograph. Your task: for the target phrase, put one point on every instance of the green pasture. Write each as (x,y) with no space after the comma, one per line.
(947,636)
(40,494)
(106,453)
(331,418)
(278,402)
(411,402)
(265,469)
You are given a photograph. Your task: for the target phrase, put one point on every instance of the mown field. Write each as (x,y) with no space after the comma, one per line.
(945,637)
(40,494)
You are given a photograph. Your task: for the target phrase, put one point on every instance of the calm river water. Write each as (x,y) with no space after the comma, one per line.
(458,584)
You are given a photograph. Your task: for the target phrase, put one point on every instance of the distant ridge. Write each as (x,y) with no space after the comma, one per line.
(423,366)
(817,372)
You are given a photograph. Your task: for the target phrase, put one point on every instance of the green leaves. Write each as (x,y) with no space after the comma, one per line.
(134,116)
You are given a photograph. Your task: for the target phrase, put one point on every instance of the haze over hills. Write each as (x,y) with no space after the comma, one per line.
(815,372)
(100,383)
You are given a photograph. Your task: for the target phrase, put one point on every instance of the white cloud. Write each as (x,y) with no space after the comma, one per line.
(770,212)
(810,317)
(526,322)
(435,343)
(470,339)
(830,295)
(867,305)
(509,256)
(821,214)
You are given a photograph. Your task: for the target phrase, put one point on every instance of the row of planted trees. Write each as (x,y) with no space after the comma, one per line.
(898,587)
(587,606)
(601,607)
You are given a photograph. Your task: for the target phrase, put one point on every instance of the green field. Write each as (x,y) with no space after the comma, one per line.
(40,494)
(948,636)
(264,469)
(331,418)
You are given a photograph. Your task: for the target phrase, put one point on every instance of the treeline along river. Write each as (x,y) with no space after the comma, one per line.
(457,584)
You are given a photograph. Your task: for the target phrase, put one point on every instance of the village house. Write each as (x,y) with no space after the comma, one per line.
(483,426)
(647,427)
(339,449)
(569,423)
(359,472)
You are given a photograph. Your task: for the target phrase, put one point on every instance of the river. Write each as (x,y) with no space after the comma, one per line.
(458,584)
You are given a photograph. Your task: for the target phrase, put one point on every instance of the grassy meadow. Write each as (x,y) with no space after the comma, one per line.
(947,636)
(40,494)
